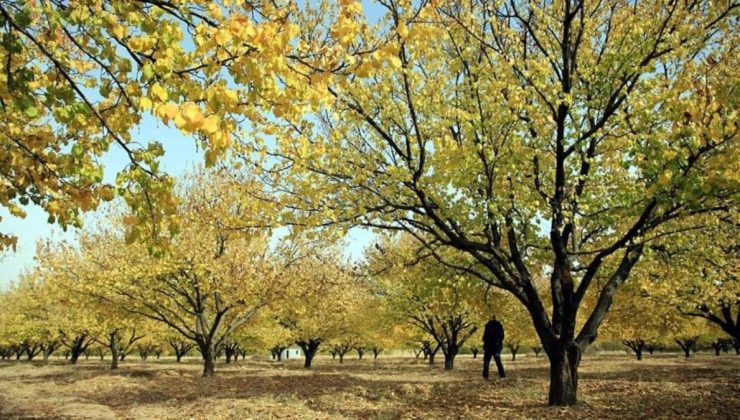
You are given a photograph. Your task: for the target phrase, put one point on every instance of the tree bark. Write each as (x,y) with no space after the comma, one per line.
(564,375)
(206,351)
(449,361)
(113,346)
(74,355)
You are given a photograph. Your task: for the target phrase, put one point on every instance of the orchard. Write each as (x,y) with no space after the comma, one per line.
(368,184)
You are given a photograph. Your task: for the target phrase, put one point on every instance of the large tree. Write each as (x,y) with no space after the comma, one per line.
(554,138)
(209,282)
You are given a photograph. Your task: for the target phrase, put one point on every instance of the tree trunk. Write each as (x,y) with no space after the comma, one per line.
(74,355)
(114,348)
(376,352)
(309,348)
(206,350)
(341,357)
(449,361)
(178,357)
(48,350)
(208,364)
(564,375)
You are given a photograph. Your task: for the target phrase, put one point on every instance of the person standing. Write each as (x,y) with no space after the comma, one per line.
(493,343)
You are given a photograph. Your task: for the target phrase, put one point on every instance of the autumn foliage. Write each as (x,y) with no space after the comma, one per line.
(569,166)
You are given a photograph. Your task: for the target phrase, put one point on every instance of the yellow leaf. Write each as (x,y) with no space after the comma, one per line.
(210,125)
(222,37)
(158,92)
(403,30)
(145,103)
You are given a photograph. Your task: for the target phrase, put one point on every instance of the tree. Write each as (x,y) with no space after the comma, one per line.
(30,318)
(317,308)
(433,297)
(75,315)
(381,328)
(521,135)
(710,259)
(264,333)
(640,318)
(179,347)
(211,280)
(689,334)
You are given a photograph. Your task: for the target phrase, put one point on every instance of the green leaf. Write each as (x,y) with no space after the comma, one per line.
(31,111)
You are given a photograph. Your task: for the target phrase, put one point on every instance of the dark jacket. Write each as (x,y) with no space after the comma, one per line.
(493,336)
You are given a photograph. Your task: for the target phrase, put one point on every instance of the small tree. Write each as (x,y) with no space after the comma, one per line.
(687,344)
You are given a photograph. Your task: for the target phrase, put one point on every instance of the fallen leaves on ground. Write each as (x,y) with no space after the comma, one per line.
(611,386)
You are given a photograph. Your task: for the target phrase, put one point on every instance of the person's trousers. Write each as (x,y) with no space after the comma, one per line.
(487,354)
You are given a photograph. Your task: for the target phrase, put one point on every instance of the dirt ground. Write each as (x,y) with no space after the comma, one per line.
(611,386)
